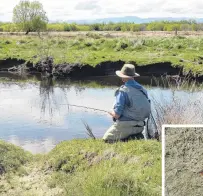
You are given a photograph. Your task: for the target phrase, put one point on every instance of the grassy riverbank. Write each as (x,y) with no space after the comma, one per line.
(94,48)
(83,167)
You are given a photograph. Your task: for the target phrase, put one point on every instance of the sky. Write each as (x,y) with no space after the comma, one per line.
(62,10)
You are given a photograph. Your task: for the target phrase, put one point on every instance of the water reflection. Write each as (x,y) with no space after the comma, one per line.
(34,146)
(47,96)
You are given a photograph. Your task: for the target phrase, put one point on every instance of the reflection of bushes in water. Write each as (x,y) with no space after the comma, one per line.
(46,95)
(49,102)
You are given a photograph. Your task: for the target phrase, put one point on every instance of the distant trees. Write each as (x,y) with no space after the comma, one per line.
(30,16)
(155,26)
(70,27)
(186,27)
(95,27)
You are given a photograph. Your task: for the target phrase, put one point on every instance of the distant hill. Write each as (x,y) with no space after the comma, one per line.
(131,19)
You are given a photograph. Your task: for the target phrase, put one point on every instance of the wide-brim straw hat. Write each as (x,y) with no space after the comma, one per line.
(127,71)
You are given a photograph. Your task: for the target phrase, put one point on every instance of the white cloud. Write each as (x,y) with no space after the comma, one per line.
(88,5)
(83,9)
(36,146)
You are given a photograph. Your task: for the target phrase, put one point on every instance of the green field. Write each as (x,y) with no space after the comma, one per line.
(83,167)
(94,48)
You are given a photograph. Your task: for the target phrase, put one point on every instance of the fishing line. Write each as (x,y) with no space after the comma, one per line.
(79,106)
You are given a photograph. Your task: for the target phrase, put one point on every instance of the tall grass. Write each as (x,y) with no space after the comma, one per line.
(88,130)
(183,161)
(179,109)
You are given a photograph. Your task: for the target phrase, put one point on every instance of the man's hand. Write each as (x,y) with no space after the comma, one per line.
(114,115)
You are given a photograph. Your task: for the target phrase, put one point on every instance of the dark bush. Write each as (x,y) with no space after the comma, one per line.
(67,28)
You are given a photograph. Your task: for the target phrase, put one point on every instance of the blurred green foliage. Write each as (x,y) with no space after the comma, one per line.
(184,25)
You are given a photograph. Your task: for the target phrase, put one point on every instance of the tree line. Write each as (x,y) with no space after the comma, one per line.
(153,26)
(31,17)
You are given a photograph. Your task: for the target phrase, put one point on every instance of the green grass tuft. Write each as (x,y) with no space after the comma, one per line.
(132,168)
(12,158)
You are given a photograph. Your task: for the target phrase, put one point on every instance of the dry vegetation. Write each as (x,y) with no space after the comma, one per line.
(112,33)
(183,162)
(176,108)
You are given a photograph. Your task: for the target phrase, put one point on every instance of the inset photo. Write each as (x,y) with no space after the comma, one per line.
(182,161)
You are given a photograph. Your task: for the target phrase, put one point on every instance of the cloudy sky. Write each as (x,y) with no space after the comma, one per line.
(92,9)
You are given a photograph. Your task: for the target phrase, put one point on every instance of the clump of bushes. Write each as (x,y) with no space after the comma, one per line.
(186,25)
(121,46)
(75,43)
(70,27)
(88,43)
(7,42)
(93,35)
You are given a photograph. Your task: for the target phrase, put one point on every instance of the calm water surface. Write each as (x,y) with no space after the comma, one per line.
(33,114)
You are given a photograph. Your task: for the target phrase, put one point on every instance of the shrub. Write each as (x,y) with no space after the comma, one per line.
(185,27)
(135,27)
(7,42)
(88,43)
(75,43)
(67,28)
(117,27)
(121,46)
(95,27)
(61,42)
(55,27)
(73,27)
(93,35)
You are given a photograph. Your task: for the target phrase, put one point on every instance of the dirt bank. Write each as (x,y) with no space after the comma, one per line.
(8,63)
(78,70)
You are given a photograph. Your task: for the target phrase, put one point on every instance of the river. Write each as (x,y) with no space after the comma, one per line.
(35,115)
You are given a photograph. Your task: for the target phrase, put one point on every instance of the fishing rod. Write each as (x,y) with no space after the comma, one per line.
(96,109)
(80,106)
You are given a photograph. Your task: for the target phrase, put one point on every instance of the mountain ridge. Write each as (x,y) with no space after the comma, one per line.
(132,19)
